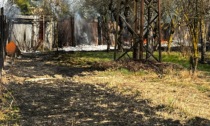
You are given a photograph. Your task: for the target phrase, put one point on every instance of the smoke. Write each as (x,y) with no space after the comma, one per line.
(2,3)
(10,9)
(75,5)
(84,22)
(86,31)
(81,30)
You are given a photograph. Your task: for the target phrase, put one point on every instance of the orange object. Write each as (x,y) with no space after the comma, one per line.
(145,41)
(11,49)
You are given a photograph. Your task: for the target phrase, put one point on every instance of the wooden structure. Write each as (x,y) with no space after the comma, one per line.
(147,19)
(77,30)
(66,32)
(3,38)
(33,33)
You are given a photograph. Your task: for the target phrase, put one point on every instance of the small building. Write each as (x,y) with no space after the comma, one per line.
(32,33)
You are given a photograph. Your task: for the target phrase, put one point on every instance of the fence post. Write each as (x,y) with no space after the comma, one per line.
(1,40)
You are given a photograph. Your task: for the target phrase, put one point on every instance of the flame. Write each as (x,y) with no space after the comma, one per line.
(11,48)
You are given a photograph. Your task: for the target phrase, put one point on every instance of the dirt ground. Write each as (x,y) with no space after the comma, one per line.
(48,94)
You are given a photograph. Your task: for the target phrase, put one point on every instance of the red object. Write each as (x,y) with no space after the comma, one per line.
(11,48)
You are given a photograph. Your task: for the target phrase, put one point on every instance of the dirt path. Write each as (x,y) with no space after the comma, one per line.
(46,95)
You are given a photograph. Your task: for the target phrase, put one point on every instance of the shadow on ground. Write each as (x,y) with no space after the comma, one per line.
(33,65)
(61,102)
(67,103)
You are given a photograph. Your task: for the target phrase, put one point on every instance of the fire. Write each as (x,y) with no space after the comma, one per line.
(12,49)
(162,41)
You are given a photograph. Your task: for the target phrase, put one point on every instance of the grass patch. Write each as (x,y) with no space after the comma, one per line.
(203,88)
(175,57)
(204,67)
(125,71)
(83,58)
(141,72)
(8,112)
(89,58)
(95,56)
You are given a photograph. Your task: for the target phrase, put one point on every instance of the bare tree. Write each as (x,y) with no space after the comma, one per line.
(193,13)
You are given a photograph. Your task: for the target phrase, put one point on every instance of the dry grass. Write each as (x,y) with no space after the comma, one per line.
(176,90)
(166,90)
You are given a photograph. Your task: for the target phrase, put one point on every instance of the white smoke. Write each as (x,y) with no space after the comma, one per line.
(10,9)
(2,3)
(75,5)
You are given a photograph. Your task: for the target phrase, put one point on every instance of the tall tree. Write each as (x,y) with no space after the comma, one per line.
(169,16)
(24,5)
(58,8)
(193,12)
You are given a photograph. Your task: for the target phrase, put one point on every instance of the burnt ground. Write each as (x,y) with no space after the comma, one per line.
(45,95)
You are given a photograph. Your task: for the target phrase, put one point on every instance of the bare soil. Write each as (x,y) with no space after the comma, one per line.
(45,92)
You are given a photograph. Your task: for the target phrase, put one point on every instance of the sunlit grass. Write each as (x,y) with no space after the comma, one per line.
(8,112)
(95,56)
(88,58)
(85,58)
(175,57)
(203,88)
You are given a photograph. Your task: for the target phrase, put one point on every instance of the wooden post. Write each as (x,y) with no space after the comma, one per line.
(116,34)
(136,43)
(99,31)
(72,32)
(5,28)
(1,39)
(141,31)
(33,34)
(43,42)
(159,29)
(56,31)
(136,15)
(148,30)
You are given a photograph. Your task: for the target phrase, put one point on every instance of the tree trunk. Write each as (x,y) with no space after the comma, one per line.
(170,36)
(99,31)
(194,56)
(194,29)
(203,41)
(136,42)
(169,43)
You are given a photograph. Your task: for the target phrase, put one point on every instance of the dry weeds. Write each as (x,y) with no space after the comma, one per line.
(124,93)
(176,89)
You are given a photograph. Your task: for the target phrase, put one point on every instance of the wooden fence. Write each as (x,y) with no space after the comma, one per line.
(72,32)
(32,33)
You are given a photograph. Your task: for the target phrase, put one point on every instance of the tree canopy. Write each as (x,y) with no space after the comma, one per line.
(24,6)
